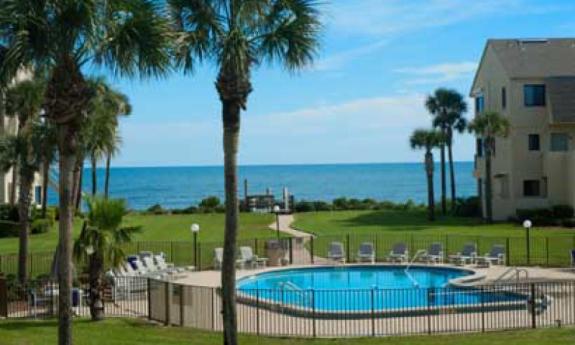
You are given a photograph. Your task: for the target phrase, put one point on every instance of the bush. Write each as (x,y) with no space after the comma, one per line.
(468,207)
(568,223)
(9,228)
(321,206)
(209,203)
(562,211)
(41,225)
(9,212)
(304,206)
(539,216)
(187,210)
(156,209)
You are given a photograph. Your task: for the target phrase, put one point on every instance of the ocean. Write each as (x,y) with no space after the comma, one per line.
(179,187)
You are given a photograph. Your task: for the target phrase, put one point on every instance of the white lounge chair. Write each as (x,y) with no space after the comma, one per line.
(466,256)
(250,260)
(434,254)
(496,256)
(399,253)
(336,252)
(162,265)
(218,258)
(366,253)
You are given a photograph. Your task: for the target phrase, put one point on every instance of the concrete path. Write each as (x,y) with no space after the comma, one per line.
(285,222)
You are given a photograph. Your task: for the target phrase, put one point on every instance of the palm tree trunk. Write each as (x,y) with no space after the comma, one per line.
(78,181)
(451,175)
(14,184)
(45,183)
(94,176)
(26,180)
(107,177)
(443,182)
(96,267)
(67,138)
(488,196)
(430,195)
(231,120)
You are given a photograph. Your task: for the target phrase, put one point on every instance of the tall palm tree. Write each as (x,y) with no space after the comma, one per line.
(24,101)
(489,126)
(128,37)
(447,107)
(49,146)
(101,242)
(428,140)
(239,35)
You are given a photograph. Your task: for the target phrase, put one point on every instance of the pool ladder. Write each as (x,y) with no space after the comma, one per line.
(289,286)
(513,272)
(418,254)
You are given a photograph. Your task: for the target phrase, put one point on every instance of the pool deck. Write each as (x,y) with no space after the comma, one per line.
(487,275)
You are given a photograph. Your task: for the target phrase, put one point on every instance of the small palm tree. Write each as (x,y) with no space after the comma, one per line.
(64,37)
(24,101)
(447,107)
(428,140)
(239,35)
(102,241)
(489,126)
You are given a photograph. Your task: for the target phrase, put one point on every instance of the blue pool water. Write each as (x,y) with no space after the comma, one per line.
(365,288)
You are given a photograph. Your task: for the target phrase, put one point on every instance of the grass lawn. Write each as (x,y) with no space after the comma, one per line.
(136,332)
(548,246)
(161,228)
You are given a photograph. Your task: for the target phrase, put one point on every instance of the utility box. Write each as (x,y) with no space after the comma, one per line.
(274,252)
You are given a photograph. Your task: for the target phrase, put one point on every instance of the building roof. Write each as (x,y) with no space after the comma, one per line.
(535,58)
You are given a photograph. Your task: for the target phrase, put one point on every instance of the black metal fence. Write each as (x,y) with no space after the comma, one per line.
(519,251)
(124,296)
(373,312)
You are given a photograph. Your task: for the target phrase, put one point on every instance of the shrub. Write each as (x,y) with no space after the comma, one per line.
(304,206)
(156,209)
(41,225)
(562,211)
(9,228)
(209,203)
(539,216)
(9,212)
(468,207)
(568,223)
(321,206)
(187,210)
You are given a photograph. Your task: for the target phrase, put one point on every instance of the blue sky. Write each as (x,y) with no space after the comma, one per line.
(358,103)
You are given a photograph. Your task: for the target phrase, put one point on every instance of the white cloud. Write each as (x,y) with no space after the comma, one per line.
(440,73)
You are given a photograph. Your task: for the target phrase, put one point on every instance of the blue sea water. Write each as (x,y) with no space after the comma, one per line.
(178,187)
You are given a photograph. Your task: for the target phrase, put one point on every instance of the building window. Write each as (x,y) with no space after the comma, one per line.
(534,95)
(531,188)
(559,142)
(534,142)
(503,98)
(479,104)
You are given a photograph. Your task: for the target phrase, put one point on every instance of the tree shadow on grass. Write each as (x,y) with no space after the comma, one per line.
(391,220)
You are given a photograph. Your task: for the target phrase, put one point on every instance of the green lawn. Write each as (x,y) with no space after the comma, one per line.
(136,332)
(548,246)
(161,228)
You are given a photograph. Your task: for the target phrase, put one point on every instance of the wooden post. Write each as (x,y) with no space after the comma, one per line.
(168,302)
(3,296)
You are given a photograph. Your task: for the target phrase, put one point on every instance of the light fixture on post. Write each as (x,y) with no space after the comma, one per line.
(527,225)
(195,229)
(277,210)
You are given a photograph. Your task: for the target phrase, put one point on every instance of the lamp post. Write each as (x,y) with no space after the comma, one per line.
(195,228)
(527,225)
(277,212)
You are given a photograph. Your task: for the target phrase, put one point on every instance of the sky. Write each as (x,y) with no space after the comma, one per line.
(358,102)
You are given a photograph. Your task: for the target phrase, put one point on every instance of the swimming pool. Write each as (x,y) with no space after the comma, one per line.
(360,289)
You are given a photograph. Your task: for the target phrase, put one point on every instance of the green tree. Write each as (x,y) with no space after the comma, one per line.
(488,126)
(447,107)
(428,140)
(101,242)
(239,35)
(128,37)
(24,102)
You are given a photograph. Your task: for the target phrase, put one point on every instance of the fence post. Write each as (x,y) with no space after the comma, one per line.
(3,296)
(429,310)
(291,250)
(547,249)
(507,252)
(446,246)
(311,249)
(313,313)
(149,283)
(257,311)
(182,306)
(533,305)
(168,302)
(373,312)
(347,248)
(481,296)
(213,309)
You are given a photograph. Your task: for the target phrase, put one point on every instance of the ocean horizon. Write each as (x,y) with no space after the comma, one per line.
(183,186)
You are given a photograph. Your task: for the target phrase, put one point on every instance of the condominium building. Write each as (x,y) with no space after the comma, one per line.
(532,83)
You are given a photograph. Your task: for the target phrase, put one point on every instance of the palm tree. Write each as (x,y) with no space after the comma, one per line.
(239,35)
(24,101)
(428,140)
(489,126)
(48,134)
(101,242)
(128,37)
(447,107)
